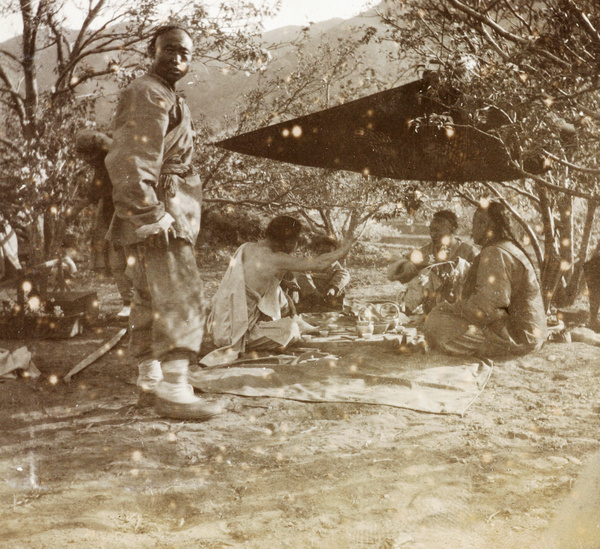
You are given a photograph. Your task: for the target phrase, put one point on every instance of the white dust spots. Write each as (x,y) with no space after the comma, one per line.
(416,257)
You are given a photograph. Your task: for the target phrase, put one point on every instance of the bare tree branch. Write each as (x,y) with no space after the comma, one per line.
(526,227)
(583,169)
(484,20)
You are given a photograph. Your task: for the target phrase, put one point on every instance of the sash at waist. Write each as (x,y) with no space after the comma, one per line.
(167,182)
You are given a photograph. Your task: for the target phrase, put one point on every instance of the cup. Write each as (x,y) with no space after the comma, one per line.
(364,328)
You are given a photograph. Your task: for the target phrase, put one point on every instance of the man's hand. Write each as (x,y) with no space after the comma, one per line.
(161,229)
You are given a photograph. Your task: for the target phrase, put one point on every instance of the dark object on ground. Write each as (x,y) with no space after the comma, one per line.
(591,272)
(96,354)
(75,302)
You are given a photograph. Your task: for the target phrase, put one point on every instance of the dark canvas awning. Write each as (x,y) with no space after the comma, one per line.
(376,135)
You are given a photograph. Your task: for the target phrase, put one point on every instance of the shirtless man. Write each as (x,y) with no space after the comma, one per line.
(270,257)
(247,308)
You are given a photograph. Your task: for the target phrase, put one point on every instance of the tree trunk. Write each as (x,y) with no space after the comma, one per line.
(571,290)
(550,274)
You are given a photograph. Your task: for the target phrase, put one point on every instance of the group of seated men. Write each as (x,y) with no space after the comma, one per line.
(480,303)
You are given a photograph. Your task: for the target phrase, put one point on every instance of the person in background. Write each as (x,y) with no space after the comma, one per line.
(320,291)
(501,312)
(9,250)
(591,272)
(248,309)
(435,272)
(157,198)
(93,147)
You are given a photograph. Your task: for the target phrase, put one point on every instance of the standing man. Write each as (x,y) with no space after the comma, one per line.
(157,201)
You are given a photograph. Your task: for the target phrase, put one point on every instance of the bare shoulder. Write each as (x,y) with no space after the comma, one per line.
(253,248)
(258,253)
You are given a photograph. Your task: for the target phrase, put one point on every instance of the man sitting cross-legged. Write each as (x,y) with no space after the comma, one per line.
(248,307)
(319,291)
(501,312)
(436,272)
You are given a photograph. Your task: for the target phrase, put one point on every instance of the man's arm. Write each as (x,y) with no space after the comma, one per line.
(135,159)
(287,262)
(404,270)
(339,279)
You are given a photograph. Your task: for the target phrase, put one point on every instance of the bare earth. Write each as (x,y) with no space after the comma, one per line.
(80,467)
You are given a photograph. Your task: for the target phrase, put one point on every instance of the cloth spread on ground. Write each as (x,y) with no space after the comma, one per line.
(20,359)
(435,383)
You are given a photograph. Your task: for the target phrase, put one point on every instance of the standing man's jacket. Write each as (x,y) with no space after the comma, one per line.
(150,162)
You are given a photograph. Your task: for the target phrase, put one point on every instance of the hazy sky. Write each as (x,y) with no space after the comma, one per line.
(300,12)
(293,12)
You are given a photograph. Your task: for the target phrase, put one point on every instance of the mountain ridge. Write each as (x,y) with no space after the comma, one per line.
(211,93)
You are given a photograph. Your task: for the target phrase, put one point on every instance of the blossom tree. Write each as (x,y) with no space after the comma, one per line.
(532,70)
(47,72)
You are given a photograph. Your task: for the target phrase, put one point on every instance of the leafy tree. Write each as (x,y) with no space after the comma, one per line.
(532,69)
(42,77)
(327,70)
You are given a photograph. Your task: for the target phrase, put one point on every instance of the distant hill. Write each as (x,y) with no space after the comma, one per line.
(211,92)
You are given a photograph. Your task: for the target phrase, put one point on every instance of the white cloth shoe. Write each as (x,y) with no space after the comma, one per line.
(178,401)
(180,393)
(175,398)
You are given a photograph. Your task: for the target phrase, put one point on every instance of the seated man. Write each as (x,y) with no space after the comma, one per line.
(249,304)
(441,265)
(591,273)
(501,312)
(321,291)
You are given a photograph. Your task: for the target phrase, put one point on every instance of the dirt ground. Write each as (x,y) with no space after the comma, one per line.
(80,467)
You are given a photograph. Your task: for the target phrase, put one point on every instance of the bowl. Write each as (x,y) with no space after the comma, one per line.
(364,328)
(323,333)
(380,327)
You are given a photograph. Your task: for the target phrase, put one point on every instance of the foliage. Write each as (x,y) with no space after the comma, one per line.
(230,226)
(532,70)
(39,169)
(327,70)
